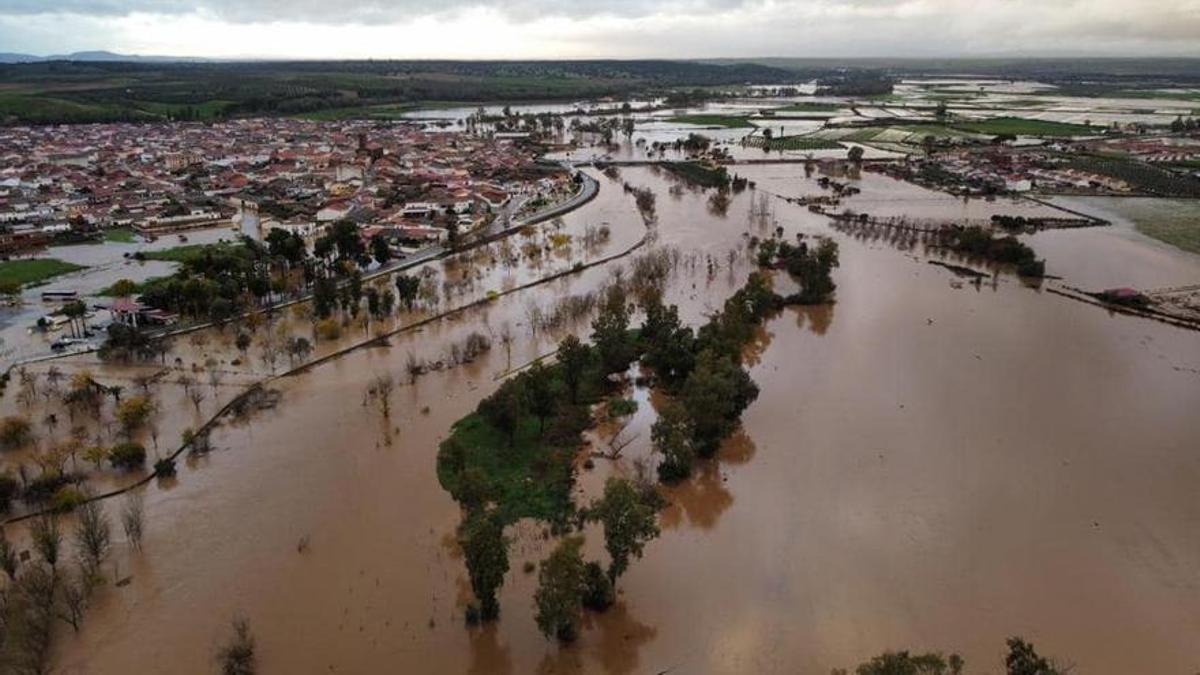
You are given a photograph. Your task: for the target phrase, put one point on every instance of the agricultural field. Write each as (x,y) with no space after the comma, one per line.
(1021,126)
(724,121)
(810,107)
(34,271)
(1140,176)
(120,235)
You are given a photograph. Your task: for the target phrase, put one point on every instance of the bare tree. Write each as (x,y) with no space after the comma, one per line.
(236,657)
(93,539)
(197,397)
(380,392)
(47,538)
(73,596)
(133,518)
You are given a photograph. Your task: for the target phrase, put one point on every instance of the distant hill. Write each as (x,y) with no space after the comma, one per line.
(97,55)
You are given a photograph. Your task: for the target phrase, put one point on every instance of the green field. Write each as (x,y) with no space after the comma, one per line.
(120,235)
(810,107)
(1021,126)
(180,254)
(33,271)
(727,121)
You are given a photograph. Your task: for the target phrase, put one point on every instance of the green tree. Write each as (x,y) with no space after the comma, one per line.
(559,595)
(503,409)
(406,289)
(540,392)
(485,551)
(610,332)
(855,154)
(573,357)
(672,435)
(629,521)
(380,250)
(714,395)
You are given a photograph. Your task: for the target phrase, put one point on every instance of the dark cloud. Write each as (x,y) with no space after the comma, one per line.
(367,11)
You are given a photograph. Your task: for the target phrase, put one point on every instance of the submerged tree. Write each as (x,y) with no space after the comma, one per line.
(93,538)
(672,435)
(629,520)
(610,332)
(573,357)
(559,596)
(485,551)
(236,657)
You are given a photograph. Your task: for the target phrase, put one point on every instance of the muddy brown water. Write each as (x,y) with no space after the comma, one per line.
(931,464)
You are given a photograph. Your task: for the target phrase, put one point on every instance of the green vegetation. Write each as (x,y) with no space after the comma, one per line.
(51,92)
(699,174)
(1139,175)
(977,242)
(809,267)
(810,107)
(33,271)
(1022,659)
(1020,126)
(125,288)
(181,254)
(727,121)
(120,235)
(799,142)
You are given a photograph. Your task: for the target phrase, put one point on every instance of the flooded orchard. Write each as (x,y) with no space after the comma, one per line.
(932,464)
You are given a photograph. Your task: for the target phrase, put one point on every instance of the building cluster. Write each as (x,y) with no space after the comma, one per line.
(1061,168)
(411,184)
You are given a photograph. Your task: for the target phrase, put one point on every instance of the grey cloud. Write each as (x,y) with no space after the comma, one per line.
(367,11)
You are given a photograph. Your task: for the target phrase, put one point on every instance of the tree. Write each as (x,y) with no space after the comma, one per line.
(380,250)
(714,396)
(855,154)
(406,289)
(236,657)
(672,435)
(610,332)
(133,519)
(47,538)
(15,432)
(503,409)
(573,357)
(1022,659)
(127,456)
(133,412)
(123,288)
(485,551)
(93,539)
(629,522)
(380,391)
(559,595)
(903,663)
(540,392)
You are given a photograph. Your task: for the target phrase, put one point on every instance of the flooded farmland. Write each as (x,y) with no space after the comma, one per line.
(931,465)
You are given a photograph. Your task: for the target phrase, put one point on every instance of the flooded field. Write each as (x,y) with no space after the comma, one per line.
(931,465)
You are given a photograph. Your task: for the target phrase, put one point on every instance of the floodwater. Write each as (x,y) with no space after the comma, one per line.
(931,464)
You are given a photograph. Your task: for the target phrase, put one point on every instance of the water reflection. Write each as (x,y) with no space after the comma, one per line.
(699,501)
(488,656)
(818,317)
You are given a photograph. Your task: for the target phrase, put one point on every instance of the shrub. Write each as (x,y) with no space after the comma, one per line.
(1032,268)
(329,329)
(127,456)
(15,432)
(41,489)
(598,592)
(472,614)
(165,467)
(9,487)
(66,498)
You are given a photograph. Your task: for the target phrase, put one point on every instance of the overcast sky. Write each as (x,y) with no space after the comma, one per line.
(603,28)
